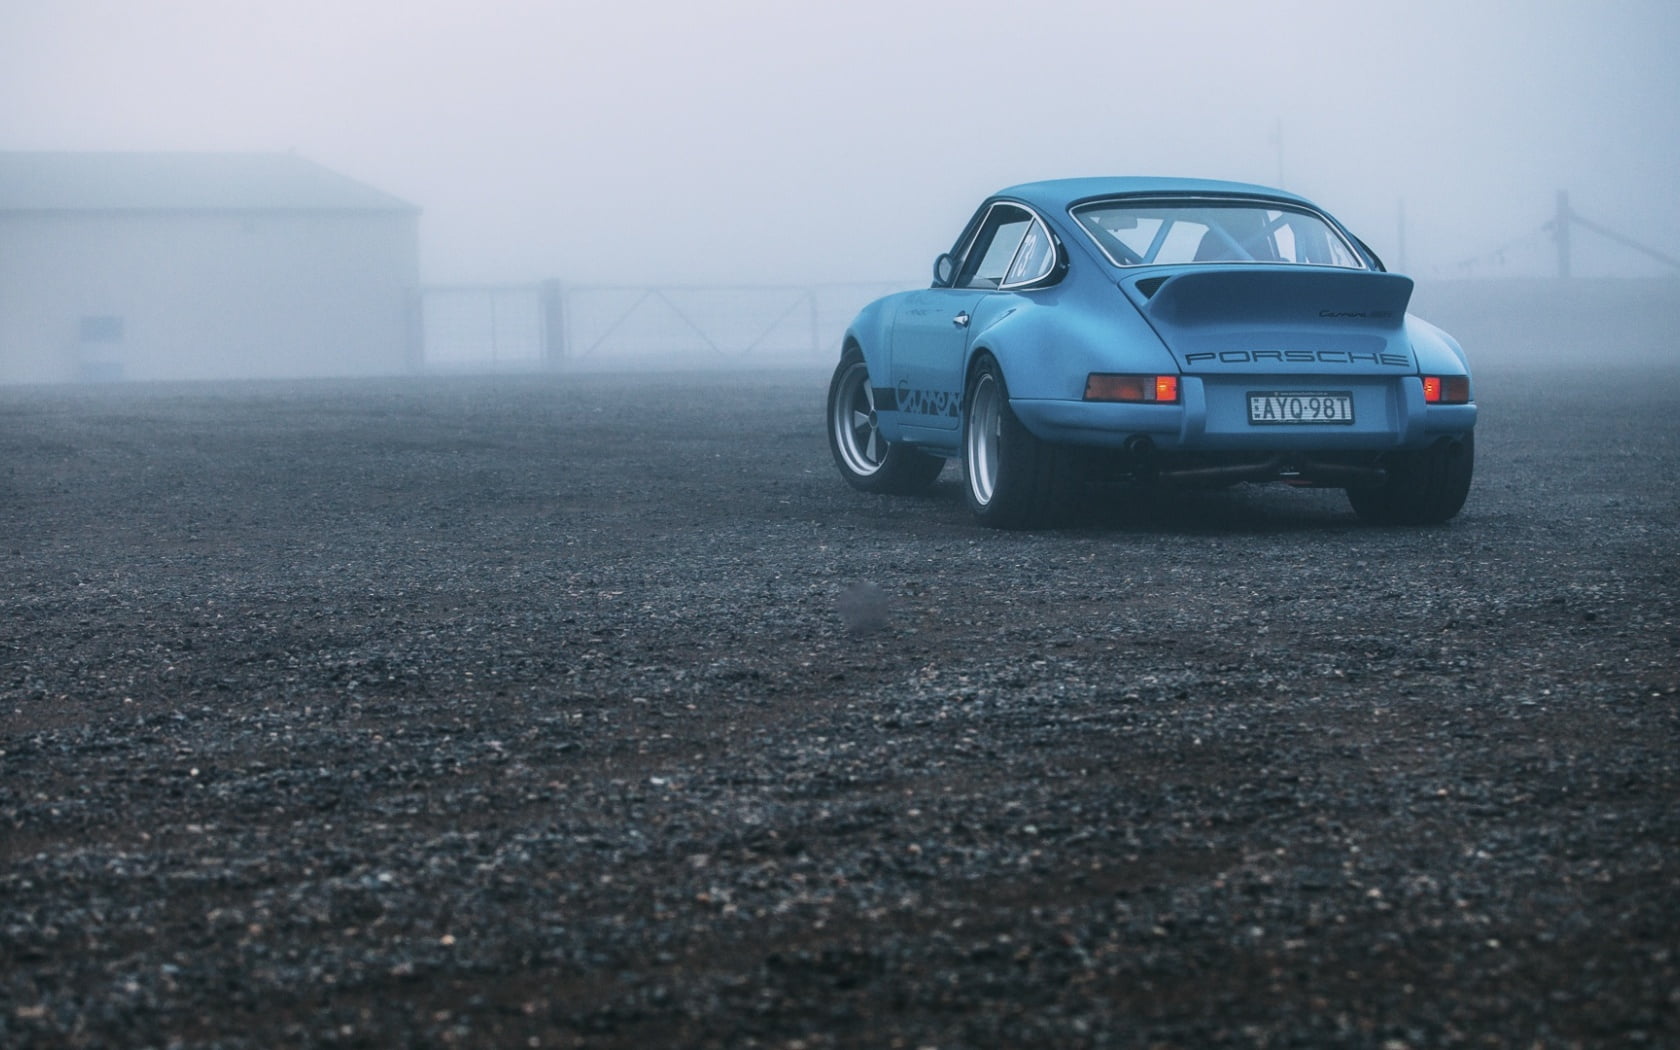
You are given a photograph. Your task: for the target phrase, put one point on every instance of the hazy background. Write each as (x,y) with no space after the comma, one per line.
(748,141)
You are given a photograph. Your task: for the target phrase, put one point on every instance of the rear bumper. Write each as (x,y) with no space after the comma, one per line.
(1212,416)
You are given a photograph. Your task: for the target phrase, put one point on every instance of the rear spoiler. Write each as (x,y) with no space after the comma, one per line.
(1276,295)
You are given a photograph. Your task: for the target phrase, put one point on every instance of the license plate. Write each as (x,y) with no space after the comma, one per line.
(1299,407)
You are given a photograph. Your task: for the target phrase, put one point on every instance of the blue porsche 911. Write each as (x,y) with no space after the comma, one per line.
(1156,331)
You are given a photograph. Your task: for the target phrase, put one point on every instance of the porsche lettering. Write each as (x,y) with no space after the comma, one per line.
(1326,357)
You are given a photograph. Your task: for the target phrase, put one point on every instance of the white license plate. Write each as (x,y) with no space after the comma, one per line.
(1299,407)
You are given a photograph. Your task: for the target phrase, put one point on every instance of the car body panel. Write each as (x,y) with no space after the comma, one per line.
(1290,320)
(929,341)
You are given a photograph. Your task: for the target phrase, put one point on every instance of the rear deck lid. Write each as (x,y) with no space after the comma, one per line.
(1279,319)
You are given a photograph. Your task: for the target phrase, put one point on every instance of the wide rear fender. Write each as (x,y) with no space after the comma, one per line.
(1437,352)
(1047,350)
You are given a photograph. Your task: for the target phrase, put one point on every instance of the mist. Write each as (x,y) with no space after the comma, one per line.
(748,141)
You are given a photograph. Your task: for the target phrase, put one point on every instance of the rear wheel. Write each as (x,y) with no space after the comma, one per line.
(1425,487)
(1011,478)
(867,460)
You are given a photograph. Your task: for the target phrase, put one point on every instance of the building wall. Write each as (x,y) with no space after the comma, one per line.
(206,295)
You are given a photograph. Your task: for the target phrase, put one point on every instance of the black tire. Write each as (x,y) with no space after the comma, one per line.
(868,461)
(1426,487)
(1011,479)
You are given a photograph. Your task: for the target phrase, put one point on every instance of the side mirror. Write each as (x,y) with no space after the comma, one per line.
(944,269)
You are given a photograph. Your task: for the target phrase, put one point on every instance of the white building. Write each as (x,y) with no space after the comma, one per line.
(201,266)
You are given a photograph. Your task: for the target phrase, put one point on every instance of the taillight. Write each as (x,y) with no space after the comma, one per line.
(1446,390)
(1100,386)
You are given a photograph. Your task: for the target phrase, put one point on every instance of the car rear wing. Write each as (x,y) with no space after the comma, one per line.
(1275,295)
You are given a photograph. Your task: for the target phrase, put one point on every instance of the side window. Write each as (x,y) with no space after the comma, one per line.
(1034,258)
(1012,247)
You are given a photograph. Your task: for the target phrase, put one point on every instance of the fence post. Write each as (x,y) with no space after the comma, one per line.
(816,332)
(554,323)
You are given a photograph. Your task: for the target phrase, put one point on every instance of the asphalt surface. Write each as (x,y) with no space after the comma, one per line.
(597,711)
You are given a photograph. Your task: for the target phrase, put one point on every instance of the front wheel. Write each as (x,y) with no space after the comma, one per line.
(1011,478)
(1426,487)
(867,460)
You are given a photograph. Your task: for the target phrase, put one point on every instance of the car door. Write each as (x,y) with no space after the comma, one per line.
(932,328)
(930,341)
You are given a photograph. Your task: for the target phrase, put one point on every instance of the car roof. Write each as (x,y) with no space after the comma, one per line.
(1058,194)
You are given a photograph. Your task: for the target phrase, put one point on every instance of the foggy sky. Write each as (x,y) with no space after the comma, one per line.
(755,140)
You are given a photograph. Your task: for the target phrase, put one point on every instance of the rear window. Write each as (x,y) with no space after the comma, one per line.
(1174,232)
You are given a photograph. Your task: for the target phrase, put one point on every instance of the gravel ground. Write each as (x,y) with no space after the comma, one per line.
(597,711)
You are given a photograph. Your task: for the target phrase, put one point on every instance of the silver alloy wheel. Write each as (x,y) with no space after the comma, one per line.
(985,419)
(857,433)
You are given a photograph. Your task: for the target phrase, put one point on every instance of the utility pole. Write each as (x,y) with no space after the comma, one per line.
(1566,218)
(1277,140)
(1560,230)
(1400,233)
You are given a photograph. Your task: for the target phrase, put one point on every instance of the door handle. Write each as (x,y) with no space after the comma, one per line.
(961,320)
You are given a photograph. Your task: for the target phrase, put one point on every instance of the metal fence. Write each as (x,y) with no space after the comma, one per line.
(476,327)
(538,326)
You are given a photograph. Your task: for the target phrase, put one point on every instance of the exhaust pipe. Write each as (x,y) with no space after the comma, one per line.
(1340,474)
(1317,472)
(1266,470)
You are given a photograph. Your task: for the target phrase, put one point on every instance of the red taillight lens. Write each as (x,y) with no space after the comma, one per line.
(1100,386)
(1446,390)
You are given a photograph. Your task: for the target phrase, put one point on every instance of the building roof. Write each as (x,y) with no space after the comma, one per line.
(182,182)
